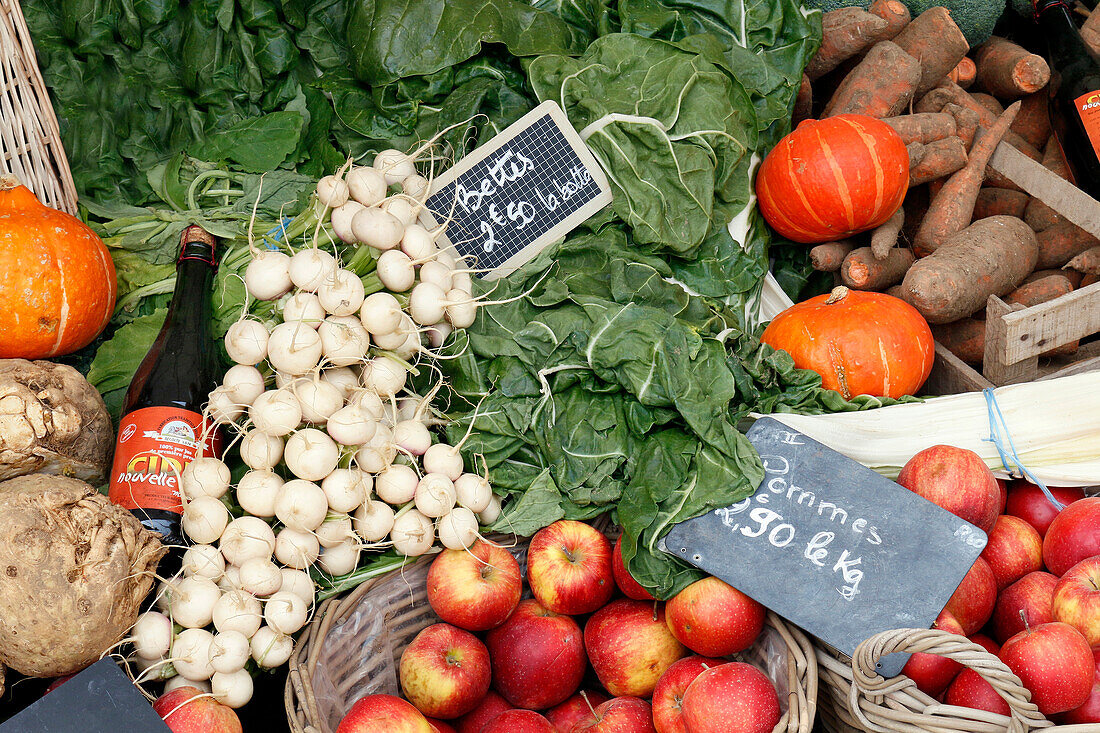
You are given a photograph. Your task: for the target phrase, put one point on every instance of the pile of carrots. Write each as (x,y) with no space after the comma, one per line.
(964,232)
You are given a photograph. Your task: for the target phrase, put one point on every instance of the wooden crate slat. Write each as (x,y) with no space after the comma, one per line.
(1032,331)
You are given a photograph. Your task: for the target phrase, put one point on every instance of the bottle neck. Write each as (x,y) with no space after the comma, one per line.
(190,307)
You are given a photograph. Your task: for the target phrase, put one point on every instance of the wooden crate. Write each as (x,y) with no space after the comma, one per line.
(1016,336)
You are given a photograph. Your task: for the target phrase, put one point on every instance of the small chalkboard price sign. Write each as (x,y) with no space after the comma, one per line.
(527,187)
(831,545)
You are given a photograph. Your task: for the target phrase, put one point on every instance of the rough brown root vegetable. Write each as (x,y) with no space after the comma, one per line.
(999,201)
(916,154)
(1038,215)
(1089,280)
(989,257)
(885,236)
(76,569)
(951,93)
(894,291)
(1009,71)
(882,85)
(1087,262)
(51,421)
(964,73)
(941,158)
(828,257)
(1062,242)
(922,128)
(894,13)
(1073,276)
(803,102)
(936,42)
(862,271)
(845,32)
(1033,122)
(990,102)
(1042,290)
(967,122)
(953,205)
(965,338)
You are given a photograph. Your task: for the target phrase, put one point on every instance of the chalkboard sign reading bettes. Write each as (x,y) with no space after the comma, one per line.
(831,545)
(527,187)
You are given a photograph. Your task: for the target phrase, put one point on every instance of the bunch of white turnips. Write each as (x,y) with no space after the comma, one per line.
(319,397)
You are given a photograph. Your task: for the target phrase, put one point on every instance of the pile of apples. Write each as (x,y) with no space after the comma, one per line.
(1032,598)
(528,671)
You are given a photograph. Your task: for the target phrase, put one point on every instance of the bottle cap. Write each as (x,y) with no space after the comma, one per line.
(197,244)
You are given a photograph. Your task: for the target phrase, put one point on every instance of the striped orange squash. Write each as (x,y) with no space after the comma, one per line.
(833,178)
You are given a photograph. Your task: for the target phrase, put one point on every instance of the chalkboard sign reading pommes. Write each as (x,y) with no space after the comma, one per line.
(831,545)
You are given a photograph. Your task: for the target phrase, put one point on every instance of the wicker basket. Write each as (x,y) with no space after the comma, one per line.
(350,648)
(30,140)
(855,699)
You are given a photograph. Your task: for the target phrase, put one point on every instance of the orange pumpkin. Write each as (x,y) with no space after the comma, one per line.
(833,178)
(57,282)
(860,343)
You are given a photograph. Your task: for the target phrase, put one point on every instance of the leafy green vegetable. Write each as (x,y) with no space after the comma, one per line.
(116,360)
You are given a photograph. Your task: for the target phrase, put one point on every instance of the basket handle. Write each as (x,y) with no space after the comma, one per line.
(1024,715)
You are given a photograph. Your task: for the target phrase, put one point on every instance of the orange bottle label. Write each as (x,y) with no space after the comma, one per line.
(153,447)
(1088,107)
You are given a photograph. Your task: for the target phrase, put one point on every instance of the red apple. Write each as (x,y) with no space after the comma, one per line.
(1073,535)
(1076,599)
(973,601)
(713,618)
(475,589)
(984,641)
(1055,663)
(182,714)
(1032,595)
(1028,502)
(1002,489)
(537,657)
(519,721)
(564,716)
(668,695)
(630,646)
(931,672)
(731,698)
(444,671)
(969,690)
(1089,710)
(57,683)
(630,587)
(957,480)
(569,568)
(490,706)
(1014,550)
(618,715)
(438,726)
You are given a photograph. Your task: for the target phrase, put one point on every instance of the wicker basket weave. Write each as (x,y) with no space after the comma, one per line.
(30,140)
(855,699)
(361,634)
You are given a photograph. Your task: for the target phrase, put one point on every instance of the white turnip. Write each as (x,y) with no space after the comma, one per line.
(311,454)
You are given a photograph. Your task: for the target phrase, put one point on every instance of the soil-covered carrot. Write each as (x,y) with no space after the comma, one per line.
(1073,276)
(967,122)
(882,85)
(845,32)
(922,128)
(949,92)
(1040,290)
(998,202)
(1009,71)
(894,13)
(1033,122)
(1038,215)
(885,236)
(828,257)
(989,257)
(916,155)
(953,206)
(862,271)
(803,102)
(965,338)
(1089,280)
(894,290)
(936,42)
(990,102)
(1062,242)
(941,158)
(1088,262)
(964,73)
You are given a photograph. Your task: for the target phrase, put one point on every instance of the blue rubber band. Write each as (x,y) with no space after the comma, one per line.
(999,435)
(278,232)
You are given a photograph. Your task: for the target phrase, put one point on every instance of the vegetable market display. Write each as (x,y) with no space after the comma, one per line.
(381,402)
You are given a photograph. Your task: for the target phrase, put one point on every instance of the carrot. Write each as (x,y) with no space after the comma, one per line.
(967,122)
(1038,215)
(941,158)
(989,257)
(882,85)
(949,92)
(1089,280)
(953,206)
(964,73)
(894,290)
(1009,71)
(989,102)
(1088,262)
(845,32)
(885,236)
(862,271)
(936,42)
(829,256)
(1000,201)
(894,13)
(965,338)
(1062,242)
(1033,122)
(1073,276)
(922,128)
(803,102)
(1040,290)
(916,153)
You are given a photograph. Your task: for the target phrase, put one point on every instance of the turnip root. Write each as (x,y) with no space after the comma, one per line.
(243,384)
(351,425)
(344,341)
(204,519)
(152,635)
(229,652)
(245,538)
(395,165)
(203,561)
(304,308)
(178,681)
(190,654)
(301,505)
(205,476)
(311,454)
(51,422)
(192,602)
(367,186)
(296,549)
(318,399)
(416,186)
(285,612)
(373,520)
(260,452)
(256,492)
(310,268)
(246,342)
(267,275)
(343,378)
(260,577)
(340,559)
(237,610)
(435,495)
(270,648)
(233,689)
(491,513)
(222,408)
(473,492)
(276,411)
(332,192)
(346,489)
(412,534)
(457,529)
(396,484)
(333,531)
(294,348)
(299,583)
(342,294)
